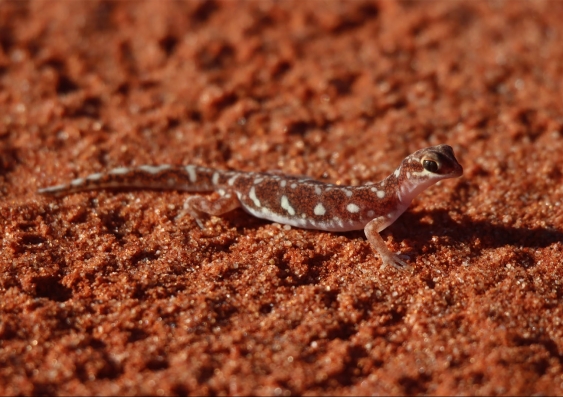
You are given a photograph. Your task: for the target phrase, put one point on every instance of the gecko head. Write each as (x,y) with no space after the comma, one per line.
(424,168)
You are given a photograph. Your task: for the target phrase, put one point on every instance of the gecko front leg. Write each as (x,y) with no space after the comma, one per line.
(372,230)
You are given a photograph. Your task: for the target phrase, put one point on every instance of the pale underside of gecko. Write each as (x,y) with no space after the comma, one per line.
(290,200)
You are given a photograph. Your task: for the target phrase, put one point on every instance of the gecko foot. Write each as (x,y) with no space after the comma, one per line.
(189,209)
(395,261)
(200,208)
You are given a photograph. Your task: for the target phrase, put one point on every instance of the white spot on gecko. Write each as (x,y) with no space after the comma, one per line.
(380,193)
(286,206)
(77,182)
(119,171)
(349,193)
(318,190)
(95,177)
(319,210)
(215,178)
(283,183)
(151,169)
(190,169)
(252,195)
(232,180)
(353,208)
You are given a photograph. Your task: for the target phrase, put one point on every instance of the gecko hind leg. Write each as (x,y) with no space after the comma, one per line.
(199,207)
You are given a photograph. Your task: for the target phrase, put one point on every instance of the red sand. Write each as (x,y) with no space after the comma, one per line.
(107,293)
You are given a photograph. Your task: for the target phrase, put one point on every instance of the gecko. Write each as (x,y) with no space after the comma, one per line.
(297,201)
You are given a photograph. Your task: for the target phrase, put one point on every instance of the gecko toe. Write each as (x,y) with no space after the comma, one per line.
(398,263)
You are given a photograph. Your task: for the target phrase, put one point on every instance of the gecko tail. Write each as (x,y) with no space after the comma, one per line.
(189,178)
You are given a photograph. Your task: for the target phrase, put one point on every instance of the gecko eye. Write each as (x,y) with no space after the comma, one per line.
(430,165)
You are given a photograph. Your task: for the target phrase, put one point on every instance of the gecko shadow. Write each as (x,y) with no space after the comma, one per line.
(477,235)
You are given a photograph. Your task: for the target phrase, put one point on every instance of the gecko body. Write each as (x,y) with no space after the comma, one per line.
(291,200)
